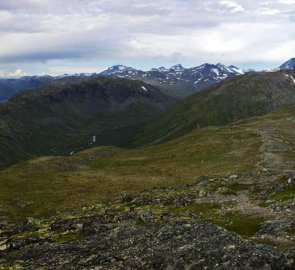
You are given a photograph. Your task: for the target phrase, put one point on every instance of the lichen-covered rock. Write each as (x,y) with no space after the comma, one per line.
(165,228)
(27,241)
(204,193)
(223,190)
(179,242)
(276,227)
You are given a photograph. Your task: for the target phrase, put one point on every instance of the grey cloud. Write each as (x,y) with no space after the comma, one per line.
(42,30)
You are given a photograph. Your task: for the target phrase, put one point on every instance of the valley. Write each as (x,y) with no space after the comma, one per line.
(61,119)
(100,174)
(129,166)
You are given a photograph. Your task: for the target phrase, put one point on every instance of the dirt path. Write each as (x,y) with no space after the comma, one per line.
(269,158)
(248,207)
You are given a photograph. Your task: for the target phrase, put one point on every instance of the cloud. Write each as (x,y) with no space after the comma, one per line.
(12,74)
(228,43)
(268,11)
(56,70)
(35,33)
(233,6)
(287,2)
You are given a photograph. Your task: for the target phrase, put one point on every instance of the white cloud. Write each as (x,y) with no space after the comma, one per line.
(230,43)
(233,6)
(266,3)
(38,32)
(287,2)
(268,11)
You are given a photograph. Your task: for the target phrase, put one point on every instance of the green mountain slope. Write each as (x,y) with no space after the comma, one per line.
(45,185)
(64,119)
(242,97)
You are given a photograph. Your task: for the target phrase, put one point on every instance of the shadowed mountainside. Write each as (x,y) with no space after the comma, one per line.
(64,119)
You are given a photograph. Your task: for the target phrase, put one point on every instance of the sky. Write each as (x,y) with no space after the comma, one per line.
(74,36)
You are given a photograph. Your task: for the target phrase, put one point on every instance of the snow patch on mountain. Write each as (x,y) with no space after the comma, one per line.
(216,71)
(291,77)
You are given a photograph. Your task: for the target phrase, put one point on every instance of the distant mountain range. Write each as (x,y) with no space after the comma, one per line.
(173,80)
(176,81)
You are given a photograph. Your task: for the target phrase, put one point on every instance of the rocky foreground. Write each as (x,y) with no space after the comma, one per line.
(235,222)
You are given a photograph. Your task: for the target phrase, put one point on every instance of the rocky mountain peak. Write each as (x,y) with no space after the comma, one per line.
(177,67)
(289,65)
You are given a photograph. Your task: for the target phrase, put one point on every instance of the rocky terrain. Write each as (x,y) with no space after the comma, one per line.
(241,221)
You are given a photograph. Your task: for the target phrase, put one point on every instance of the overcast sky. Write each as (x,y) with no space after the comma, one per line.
(73,36)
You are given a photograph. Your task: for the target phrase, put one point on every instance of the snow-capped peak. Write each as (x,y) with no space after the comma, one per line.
(289,65)
(197,77)
(230,69)
(117,69)
(177,67)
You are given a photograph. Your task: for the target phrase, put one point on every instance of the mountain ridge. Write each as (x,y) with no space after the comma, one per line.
(121,112)
(177,80)
(169,80)
(61,120)
(245,96)
(173,86)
